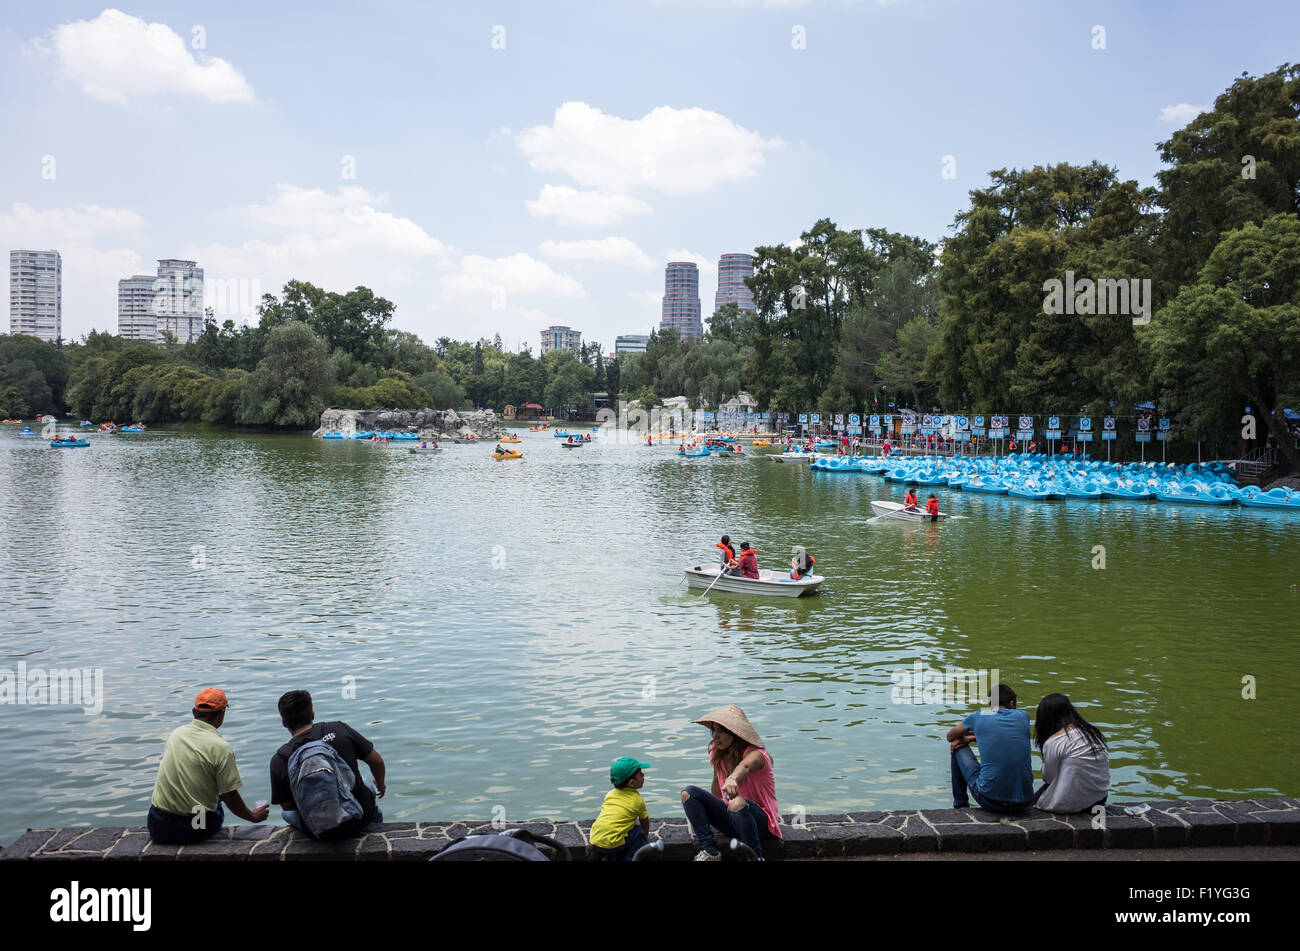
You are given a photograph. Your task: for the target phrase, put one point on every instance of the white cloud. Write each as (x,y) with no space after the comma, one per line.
(336,240)
(1181,114)
(493,295)
(671,151)
(90,274)
(612,250)
(584,209)
(117,56)
(491,282)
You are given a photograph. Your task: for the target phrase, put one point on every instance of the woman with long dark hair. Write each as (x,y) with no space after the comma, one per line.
(1076,764)
(742,803)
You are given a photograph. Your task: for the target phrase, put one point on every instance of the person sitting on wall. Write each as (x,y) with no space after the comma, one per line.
(1004,781)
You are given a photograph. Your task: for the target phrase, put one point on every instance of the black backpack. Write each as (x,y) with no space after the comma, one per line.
(508,845)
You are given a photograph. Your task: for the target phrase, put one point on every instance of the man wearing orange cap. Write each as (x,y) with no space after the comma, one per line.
(196,775)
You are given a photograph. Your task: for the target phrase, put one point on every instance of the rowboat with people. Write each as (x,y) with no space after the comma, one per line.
(769,583)
(897,510)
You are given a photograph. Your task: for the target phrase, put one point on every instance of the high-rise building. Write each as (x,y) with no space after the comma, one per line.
(169,303)
(136,319)
(36,294)
(631,343)
(561,338)
(681,307)
(179,300)
(732,271)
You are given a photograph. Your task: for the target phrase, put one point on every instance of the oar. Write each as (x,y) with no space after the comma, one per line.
(715,581)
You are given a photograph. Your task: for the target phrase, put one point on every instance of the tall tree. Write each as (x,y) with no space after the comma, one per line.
(1237,163)
(1235,332)
(291,382)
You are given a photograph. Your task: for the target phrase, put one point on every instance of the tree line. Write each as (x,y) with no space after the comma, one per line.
(309,349)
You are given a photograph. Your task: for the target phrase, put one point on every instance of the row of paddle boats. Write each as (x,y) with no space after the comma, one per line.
(1041,478)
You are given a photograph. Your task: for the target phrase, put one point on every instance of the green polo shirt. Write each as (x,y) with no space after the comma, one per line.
(197,767)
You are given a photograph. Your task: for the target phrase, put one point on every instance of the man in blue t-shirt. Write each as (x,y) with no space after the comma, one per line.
(1004,781)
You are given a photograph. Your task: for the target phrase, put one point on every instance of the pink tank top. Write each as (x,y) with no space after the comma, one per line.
(758,787)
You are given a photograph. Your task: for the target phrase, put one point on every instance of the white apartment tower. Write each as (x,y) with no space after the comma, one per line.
(170,303)
(36,294)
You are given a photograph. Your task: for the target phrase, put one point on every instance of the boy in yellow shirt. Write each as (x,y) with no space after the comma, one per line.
(617,834)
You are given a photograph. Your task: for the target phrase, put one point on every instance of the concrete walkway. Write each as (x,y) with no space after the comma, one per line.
(1167,829)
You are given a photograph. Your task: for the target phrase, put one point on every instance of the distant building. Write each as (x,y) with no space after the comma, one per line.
(732,271)
(36,294)
(561,338)
(179,301)
(135,317)
(169,303)
(681,306)
(631,343)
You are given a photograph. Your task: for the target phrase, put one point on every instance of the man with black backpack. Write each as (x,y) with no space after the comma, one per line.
(314,777)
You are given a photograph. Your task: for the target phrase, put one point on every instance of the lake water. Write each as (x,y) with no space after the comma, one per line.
(502,631)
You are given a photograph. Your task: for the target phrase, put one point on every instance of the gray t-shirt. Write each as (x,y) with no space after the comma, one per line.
(1076,776)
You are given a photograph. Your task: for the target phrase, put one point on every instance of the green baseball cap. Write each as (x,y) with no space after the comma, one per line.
(624,768)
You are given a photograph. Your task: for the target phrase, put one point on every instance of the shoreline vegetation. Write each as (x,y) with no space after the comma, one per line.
(847,321)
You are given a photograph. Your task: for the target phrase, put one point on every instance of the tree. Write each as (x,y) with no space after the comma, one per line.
(569,385)
(1237,163)
(444,392)
(353,322)
(902,371)
(291,382)
(997,344)
(33,375)
(524,380)
(1236,331)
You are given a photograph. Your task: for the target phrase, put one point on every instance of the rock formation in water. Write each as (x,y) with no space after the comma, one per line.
(429,423)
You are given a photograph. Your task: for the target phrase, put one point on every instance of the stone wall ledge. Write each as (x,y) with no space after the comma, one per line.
(1165,825)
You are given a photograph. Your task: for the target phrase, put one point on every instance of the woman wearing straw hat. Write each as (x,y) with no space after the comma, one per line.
(743,801)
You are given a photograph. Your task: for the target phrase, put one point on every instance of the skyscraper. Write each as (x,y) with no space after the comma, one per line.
(732,271)
(178,301)
(170,303)
(681,307)
(36,293)
(136,319)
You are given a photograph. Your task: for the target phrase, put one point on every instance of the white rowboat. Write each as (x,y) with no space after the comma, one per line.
(896,510)
(768,583)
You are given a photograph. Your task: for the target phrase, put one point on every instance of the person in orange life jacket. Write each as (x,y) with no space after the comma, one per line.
(727,555)
(801,566)
(932,507)
(748,563)
(909,500)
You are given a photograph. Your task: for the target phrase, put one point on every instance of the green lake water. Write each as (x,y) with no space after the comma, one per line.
(502,631)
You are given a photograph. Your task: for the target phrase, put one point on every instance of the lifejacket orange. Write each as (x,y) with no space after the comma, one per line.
(932,506)
(909,501)
(731,552)
(799,573)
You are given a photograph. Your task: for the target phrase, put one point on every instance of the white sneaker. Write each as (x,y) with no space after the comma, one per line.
(703,856)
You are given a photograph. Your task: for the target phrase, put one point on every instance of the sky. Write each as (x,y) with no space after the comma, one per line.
(495,167)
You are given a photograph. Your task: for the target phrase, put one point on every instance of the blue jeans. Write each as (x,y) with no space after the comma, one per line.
(965,774)
(169,828)
(636,838)
(291,816)
(705,812)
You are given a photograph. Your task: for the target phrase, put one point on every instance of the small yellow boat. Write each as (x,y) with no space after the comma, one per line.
(761,442)
(507,454)
(511,439)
